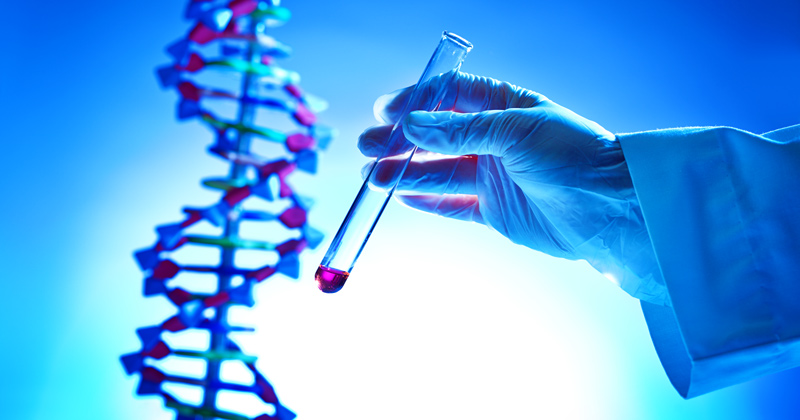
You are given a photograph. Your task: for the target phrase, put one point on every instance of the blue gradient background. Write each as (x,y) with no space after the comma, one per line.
(441,319)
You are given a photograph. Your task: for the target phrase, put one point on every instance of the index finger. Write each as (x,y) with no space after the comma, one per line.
(465,93)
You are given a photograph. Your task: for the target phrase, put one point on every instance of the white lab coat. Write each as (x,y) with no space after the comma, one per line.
(722,207)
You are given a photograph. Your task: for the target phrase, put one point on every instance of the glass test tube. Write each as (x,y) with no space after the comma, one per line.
(371,199)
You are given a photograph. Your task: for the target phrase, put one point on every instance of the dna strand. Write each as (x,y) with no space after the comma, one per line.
(238,31)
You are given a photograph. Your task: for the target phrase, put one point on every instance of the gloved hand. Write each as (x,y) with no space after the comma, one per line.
(526,167)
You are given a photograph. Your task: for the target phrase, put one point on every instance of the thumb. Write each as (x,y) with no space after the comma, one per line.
(455,133)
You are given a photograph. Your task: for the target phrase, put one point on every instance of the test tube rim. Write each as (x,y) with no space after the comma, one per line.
(457,39)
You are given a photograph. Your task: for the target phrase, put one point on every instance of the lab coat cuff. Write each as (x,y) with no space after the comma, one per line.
(720,207)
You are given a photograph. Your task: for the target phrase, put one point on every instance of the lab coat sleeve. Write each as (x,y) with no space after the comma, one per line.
(722,207)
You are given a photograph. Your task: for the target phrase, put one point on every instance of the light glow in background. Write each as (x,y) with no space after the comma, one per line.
(440,319)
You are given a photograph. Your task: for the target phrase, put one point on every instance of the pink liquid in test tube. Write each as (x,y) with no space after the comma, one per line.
(330,280)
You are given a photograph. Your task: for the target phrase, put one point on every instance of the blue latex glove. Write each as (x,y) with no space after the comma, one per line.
(528,168)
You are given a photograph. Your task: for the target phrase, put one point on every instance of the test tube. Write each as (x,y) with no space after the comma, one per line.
(372,199)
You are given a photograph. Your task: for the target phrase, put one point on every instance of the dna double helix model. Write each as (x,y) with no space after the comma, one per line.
(234,34)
